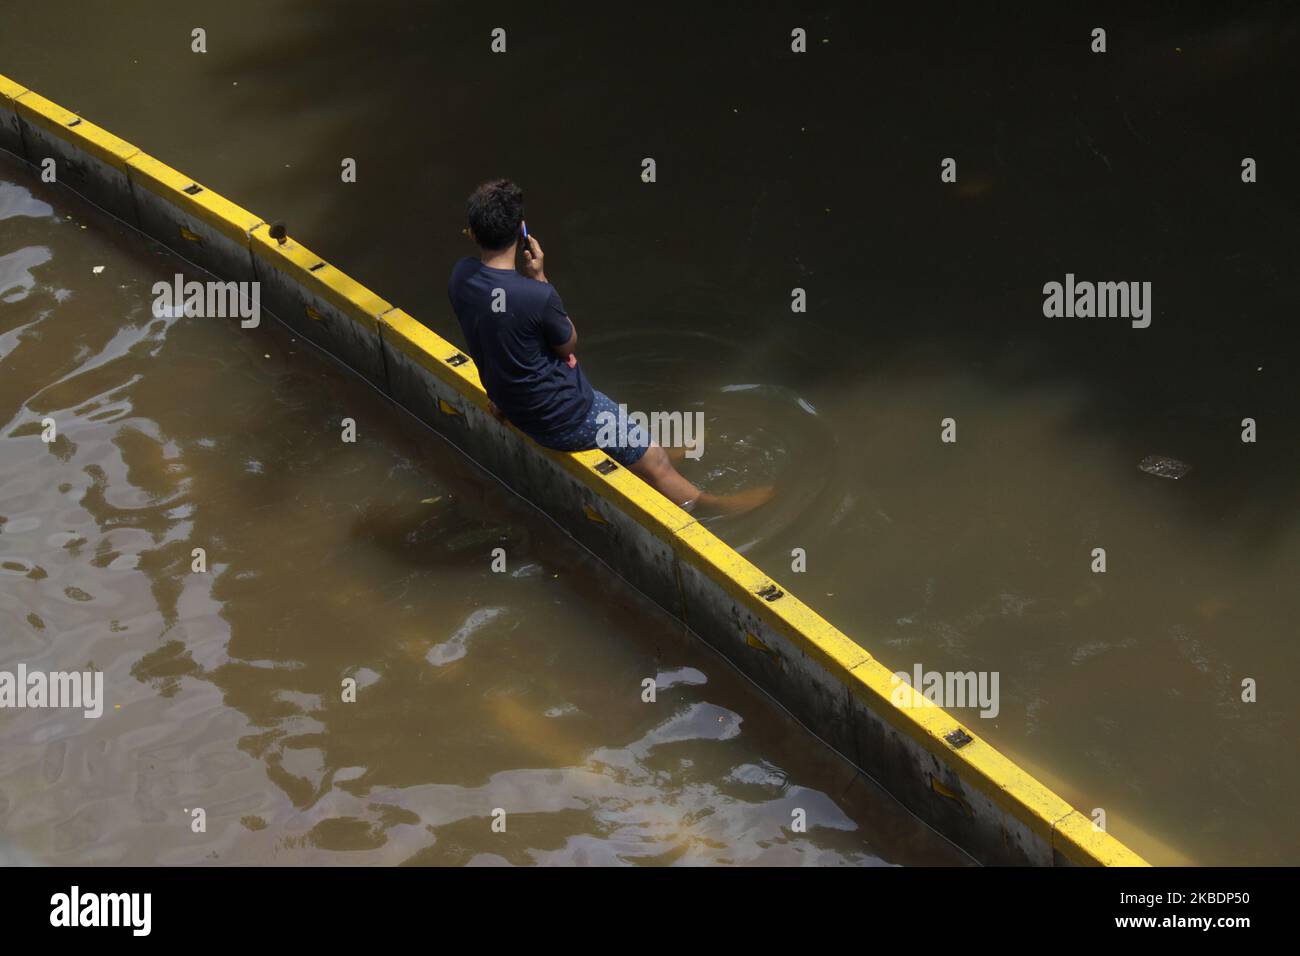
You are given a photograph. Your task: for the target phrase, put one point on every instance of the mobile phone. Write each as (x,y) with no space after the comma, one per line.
(523,237)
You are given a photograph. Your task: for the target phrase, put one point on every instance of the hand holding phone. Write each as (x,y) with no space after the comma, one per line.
(532,253)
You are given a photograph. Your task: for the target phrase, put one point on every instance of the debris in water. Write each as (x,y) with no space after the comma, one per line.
(475,538)
(1164,467)
(431,501)
(97,270)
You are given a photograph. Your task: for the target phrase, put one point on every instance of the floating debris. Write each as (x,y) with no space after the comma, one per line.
(1164,467)
(472,539)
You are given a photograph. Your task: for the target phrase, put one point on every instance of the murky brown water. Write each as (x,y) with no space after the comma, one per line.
(1122,690)
(328,560)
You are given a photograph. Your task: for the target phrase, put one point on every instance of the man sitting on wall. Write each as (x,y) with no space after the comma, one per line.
(523,343)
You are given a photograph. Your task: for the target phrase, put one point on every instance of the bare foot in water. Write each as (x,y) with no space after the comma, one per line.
(735,504)
(655,468)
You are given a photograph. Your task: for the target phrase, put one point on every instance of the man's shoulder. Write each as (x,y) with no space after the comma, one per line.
(535,295)
(463,268)
(543,292)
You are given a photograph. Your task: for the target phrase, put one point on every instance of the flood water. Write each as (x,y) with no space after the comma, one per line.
(1122,690)
(370,560)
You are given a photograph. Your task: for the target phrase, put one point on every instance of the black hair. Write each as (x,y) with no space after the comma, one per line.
(495,210)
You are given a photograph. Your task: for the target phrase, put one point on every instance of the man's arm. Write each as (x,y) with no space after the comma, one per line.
(566,350)
(534,269)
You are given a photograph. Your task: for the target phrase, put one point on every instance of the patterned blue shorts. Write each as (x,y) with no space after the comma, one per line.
(594,432)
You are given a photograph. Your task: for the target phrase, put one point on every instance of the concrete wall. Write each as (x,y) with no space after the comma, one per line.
(938,768)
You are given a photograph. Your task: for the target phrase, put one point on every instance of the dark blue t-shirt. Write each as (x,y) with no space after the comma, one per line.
(512,348)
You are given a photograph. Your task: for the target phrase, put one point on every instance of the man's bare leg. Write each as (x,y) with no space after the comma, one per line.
(656,469)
